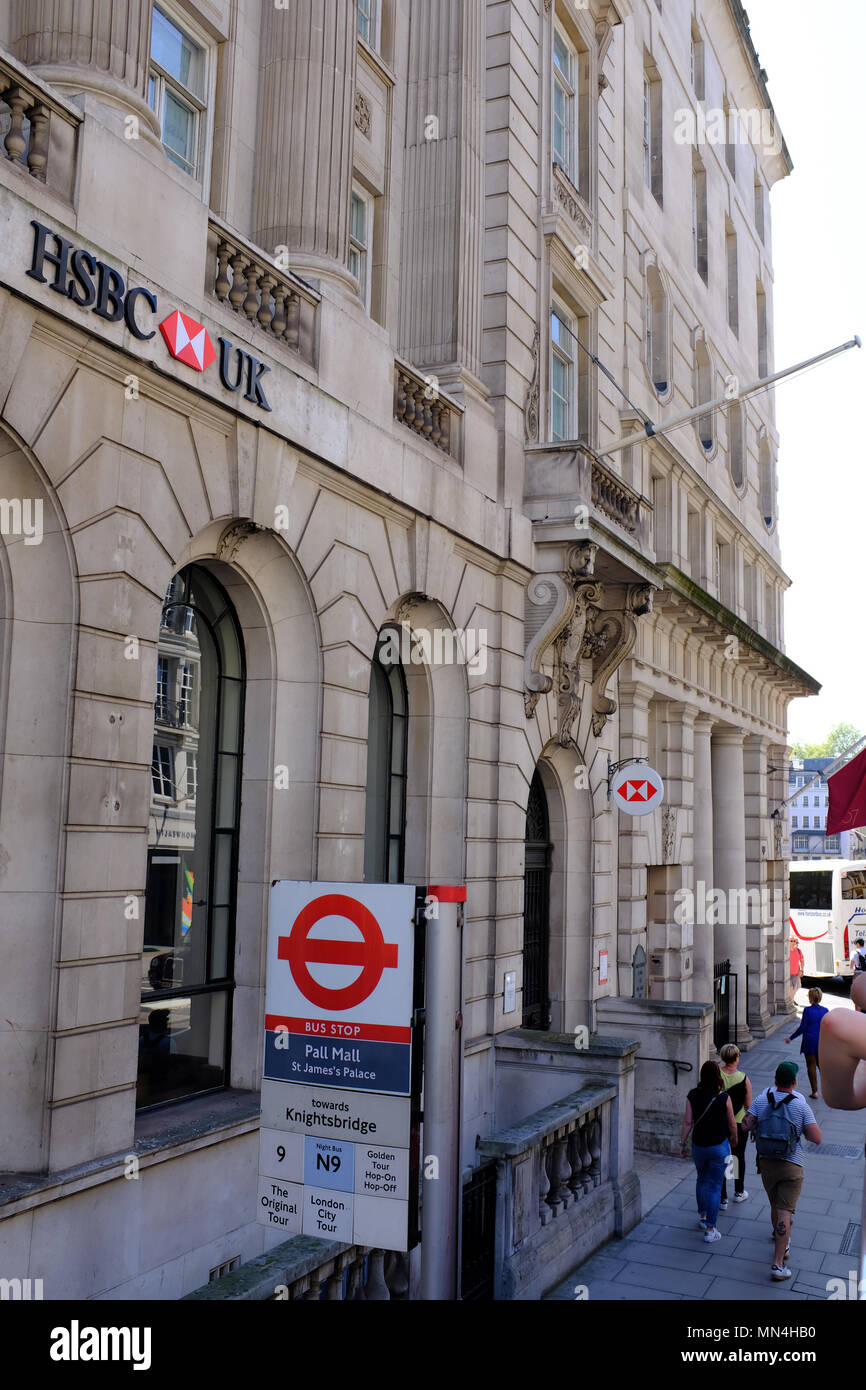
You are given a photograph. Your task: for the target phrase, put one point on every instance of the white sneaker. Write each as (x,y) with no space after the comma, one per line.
(712,1235)
(741,1197)
(723,1206)
(777,1273)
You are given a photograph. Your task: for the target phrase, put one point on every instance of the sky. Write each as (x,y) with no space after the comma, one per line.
(814,58)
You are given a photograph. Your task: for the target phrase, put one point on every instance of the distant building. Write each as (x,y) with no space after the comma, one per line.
(807,816)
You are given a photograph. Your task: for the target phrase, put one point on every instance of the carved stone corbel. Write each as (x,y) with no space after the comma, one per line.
(610,637)
(569,650)
(551,602)
(405,606)
(531,408)
(233,538)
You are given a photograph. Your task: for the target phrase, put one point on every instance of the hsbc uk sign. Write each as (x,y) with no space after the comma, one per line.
(93,284)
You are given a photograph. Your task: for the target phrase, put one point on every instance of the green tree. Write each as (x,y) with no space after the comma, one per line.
(840,737)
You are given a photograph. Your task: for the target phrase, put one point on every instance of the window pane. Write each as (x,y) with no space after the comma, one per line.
(181,1047)
(561,127)
(178,131)
(359,219)
(176,53)
(561,56)
(226,791)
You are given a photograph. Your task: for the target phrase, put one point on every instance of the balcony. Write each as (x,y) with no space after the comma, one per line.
(282,304)
(38,128)
(561,478)
(424,408)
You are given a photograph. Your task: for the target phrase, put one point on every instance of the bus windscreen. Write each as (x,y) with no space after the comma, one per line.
(812,888)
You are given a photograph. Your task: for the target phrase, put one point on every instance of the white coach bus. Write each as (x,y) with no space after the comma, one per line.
(828,912)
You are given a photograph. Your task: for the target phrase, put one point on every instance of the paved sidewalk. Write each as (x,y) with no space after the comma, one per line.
(665,1257)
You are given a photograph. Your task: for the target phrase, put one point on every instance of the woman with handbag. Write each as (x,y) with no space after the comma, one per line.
(709,1118)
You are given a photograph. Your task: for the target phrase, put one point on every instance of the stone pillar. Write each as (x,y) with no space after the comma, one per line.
(670,931)
(443,191)
(100,47)
(634,701)
(729,856)
(761,925)
(702,792)
(305,132)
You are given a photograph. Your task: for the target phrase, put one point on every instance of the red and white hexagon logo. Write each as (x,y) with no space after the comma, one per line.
(188,341)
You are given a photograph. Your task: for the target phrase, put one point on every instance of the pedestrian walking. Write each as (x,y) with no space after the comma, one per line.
(780,1117)
(709,1118)
(858,963)
(810,1026)
(739,1088)
(796,966)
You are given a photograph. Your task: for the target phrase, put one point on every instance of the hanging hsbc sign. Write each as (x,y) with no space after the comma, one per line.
(93,284)
(637,789)
(340,986)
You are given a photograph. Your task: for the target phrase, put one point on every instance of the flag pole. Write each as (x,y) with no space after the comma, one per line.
(650,430)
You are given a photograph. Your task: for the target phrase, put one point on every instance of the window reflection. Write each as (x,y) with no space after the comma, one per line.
(192,843)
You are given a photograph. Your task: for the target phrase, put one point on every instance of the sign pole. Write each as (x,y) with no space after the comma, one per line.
(443,1056)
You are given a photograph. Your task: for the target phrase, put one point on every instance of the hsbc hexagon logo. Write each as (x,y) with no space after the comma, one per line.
(188,341)
(637,789)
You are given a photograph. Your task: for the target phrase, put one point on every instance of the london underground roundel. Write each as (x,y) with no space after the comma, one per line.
(637,789)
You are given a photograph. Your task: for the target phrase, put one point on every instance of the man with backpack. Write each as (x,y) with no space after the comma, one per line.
(778,1118)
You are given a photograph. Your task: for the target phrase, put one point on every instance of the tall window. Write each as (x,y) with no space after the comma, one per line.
(704,374)
(761,314)
(699,219)
(657,354)
(733,293)
(731,129)
(565,68)
(737,444)
(361,241)
(387,749)
(563,377)
(176,91)
(188,955)
(652,132)
(759,207)
(767,482)
(369,16)
(697,63)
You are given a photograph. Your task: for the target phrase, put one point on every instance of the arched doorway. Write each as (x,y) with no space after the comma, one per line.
(536,909)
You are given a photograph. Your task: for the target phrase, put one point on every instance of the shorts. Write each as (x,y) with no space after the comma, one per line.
(795,983)
(782,1182)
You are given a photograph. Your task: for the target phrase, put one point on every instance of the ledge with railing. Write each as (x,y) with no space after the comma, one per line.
(38,128)
(306,1269)
(568,473)
(243,277)
(421,405)
(556,1197)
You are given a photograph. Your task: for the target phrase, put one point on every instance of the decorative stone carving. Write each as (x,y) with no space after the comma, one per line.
(778,837)
(581,560)
(530,410)
(568,653)
(571,206)
(618,630)
(405,606)
(363,114)
(669,834)
(233,538)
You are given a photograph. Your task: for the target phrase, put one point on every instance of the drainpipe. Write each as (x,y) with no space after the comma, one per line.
(443,1068)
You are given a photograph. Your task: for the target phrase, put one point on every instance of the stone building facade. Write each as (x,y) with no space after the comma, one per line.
(418,237)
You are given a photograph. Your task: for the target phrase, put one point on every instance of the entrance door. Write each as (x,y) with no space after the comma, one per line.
(536,910)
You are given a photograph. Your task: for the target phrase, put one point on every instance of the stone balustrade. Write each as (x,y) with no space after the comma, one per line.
(615,498)
(251,284)
(306,1269)
(555,1190)
(38,128)
(422,406)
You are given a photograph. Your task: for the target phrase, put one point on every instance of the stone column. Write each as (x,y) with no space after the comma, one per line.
(443,191)
(305,131)
(100,47)
(634,700)
(761,925)
(729,856)
(702,791)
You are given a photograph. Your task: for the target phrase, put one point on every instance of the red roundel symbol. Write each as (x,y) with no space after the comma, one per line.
(374,954)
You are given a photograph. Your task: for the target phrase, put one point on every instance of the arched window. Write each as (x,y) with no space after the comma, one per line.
(657,354)
(768,486)
(387,743)
(704,373)
(188,957)
(737,444)
(536,909)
